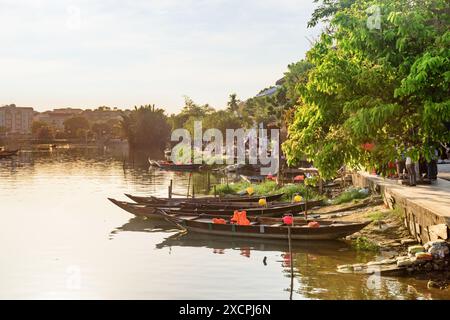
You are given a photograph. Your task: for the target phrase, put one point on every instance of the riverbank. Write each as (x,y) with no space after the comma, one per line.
(397,252)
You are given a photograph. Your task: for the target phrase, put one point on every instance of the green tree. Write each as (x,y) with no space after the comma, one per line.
(387,86)
(233,103)
(296,76)
(110,128)
(36,126)
(41,130)
(222,120)
(146,127)
(75,126)
(189,113)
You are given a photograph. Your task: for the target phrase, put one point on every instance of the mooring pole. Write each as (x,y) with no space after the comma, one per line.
(170,189)
(291,263)
(189,185)
(306,204)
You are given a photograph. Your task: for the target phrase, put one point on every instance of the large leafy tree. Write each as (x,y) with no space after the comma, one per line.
(222,120)
(385,86)
(190,113)
(146,127)
(41,130)
(76,126)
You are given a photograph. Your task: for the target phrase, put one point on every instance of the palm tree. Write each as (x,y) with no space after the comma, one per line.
(233,104)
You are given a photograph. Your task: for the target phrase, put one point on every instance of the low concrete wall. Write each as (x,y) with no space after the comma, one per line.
(423,223)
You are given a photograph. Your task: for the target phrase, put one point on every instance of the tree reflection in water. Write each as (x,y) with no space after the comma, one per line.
(314,264)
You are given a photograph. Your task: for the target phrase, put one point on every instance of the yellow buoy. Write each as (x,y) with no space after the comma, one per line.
(262,202)
(250,190)
(298,198)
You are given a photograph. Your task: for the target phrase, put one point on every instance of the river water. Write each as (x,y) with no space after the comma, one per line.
(61,238)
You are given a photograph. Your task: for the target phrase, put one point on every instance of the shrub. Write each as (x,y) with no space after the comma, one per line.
(268,188)
(364,244)
(349,195)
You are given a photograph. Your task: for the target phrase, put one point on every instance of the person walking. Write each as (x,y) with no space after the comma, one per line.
(432,166)
(411,168)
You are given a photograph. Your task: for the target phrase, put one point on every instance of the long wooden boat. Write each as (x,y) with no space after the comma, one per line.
(151,199)
(151,210)
(328,230)
(207,205)
(8,153)
(168,165)
(272,210)
(139,210)
(175,203)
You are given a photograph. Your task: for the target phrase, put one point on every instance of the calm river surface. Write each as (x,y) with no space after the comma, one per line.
(61,238)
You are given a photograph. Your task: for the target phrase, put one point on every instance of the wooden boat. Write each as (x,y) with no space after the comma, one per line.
(277,209)
(176,203)
(208,205)
(8,153)
(203,205)
(169,165)
(151,210)
(270,198)
(328,230)
(140,210)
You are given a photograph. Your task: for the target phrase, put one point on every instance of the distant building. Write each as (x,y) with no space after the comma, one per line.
(16,120)
(57,117)
(268,92)
(102,115)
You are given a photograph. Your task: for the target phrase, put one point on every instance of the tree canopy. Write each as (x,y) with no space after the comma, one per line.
(76,126)
(146,127)
(387,86)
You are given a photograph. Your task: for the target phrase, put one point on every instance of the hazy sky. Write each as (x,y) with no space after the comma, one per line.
(124,53)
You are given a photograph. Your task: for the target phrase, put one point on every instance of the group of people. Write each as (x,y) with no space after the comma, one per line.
(422,170)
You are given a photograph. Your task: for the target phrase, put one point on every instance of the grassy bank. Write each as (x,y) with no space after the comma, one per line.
(268,188)
(350,195)
(290,190)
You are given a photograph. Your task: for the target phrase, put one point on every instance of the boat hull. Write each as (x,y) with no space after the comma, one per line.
(269,198)
(325,236)
(175,167)
(10,153)
(154,211)
(138,211)
(329,231)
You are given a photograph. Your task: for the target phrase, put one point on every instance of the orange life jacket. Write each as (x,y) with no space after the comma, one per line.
(313,224)
(219,221)
(240,218)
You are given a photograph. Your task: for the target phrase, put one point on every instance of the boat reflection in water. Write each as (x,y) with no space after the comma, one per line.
(141,224)
(214,242)
(143,259)
(314,263)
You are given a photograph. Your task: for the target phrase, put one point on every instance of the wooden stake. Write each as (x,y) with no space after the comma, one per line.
(290,258)
(306,204)
(170,189)
(189,185)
